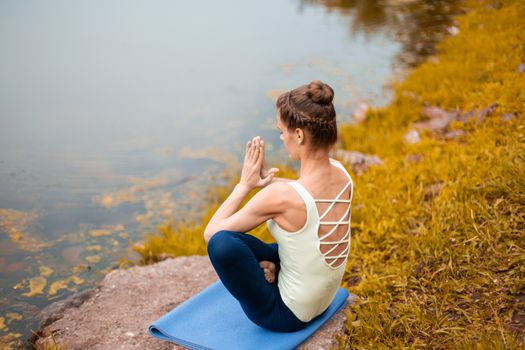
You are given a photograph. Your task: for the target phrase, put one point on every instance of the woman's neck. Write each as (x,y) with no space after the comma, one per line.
(314,165)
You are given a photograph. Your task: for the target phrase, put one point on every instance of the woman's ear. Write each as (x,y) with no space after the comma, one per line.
(299,136)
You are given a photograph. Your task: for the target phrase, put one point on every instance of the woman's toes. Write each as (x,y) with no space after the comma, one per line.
(269,269)
(269,275)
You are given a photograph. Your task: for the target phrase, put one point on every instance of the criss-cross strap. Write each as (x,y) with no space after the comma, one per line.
(342,240)
(340,166)
(345,240)
(333,200)
(336,224)
(344,254)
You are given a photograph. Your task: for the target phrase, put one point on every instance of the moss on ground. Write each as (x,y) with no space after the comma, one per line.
(438,230)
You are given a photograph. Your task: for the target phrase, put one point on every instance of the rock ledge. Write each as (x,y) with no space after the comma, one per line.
(127,301)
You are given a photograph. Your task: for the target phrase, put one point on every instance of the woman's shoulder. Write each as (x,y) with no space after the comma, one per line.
(282,192)
(280,188)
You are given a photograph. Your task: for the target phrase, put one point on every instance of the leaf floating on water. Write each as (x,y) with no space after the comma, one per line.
(46,271)
(149,183)
(123,235)
(80,268)
(13,316)
(107,200)
(56,286)
(11,341)
(16,236)
(93,259)
(76,280)
(98,233)
(63,284)
(93,248)
(2,324)
(17,223)
(36,286)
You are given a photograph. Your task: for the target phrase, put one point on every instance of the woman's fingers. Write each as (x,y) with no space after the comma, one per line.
(259,160)
(262,149)
(248,145)
(255,152)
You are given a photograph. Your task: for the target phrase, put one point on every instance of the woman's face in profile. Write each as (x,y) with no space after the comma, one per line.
(287,137)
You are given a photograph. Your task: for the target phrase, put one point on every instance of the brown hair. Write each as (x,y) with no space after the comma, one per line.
(310,107)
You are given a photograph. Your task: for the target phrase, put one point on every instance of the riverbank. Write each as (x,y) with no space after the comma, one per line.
(116,313)
(438,227)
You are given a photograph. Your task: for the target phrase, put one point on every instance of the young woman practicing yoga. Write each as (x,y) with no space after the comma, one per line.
(283,286)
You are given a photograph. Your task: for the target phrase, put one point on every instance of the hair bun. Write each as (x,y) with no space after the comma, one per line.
(320,92)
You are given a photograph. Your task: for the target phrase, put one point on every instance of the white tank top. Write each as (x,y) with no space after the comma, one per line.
(307,282)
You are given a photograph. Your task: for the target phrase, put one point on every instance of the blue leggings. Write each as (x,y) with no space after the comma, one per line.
(235,257)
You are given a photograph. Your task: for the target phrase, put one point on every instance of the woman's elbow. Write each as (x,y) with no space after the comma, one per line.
(208,233)
(206,237)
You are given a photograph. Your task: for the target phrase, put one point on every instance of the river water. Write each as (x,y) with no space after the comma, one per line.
(116,115)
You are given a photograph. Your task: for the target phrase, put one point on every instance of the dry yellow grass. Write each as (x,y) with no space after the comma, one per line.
(438,232)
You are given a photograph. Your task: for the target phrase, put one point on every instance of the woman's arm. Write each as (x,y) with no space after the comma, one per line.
(227,209)
(264,204)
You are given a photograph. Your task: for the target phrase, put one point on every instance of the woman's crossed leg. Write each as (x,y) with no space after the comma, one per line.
(235,257)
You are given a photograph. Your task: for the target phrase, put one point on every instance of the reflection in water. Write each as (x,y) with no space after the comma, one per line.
(417,24)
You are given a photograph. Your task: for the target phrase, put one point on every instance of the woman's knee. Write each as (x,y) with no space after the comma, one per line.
(222,244)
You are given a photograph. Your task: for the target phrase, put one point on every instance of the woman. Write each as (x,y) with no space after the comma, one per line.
(309,218)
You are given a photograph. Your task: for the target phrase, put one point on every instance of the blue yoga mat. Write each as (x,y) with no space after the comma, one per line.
(214,319)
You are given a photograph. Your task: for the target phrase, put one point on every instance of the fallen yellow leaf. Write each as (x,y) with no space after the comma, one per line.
(13,316)
(76,280)
(56,286)
(46,271)
(36,286)
(93,259)
(98,233)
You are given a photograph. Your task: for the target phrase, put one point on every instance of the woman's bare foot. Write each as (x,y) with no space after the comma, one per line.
(269,269)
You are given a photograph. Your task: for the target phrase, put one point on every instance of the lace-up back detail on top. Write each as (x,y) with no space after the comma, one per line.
(334,250)
(335,256)
(313,259)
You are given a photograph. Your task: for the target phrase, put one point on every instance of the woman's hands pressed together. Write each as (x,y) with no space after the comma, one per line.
(253,172)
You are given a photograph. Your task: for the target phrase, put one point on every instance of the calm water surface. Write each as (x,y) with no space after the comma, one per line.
(116,115)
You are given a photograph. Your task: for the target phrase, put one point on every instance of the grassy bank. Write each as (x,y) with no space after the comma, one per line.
(438,233)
